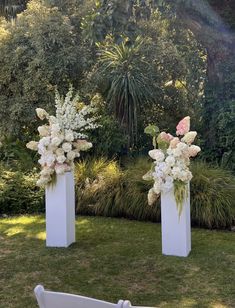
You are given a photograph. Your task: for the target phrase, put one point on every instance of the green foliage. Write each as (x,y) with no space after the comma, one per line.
(38,52)
(109,139)
(18,192)
(212,196)
(98,185)
(152,130)
(15,155)
(124,193)
(127,73)
(104,189)
(10,8)
(181,193)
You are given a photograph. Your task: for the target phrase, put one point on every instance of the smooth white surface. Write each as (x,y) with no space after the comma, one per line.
(176,231)
(47,299)
(60,212)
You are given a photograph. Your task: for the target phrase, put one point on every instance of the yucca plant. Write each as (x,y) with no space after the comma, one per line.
(127,67)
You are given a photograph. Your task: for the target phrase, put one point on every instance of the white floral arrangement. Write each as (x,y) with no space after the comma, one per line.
(62,139)
(171,161)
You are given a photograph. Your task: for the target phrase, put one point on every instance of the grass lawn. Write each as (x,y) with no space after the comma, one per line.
(115,259)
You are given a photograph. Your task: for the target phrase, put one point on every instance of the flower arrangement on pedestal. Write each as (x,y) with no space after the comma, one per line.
(171,161)
(62,139)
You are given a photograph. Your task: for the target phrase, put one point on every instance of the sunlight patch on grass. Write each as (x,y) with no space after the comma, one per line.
(41,235)
(82,221)
(218,305)
(14,231)
(113,259)
(22,220)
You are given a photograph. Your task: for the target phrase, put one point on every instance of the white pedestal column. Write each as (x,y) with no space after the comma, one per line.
(176,231)
(60,211)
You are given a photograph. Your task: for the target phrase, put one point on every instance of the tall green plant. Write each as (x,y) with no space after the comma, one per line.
(129,72)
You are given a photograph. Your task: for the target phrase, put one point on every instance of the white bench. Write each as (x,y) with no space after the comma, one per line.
(48,299)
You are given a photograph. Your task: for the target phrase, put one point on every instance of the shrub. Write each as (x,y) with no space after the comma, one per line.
(212,196)
(99,185)
(104,189)
(18,192)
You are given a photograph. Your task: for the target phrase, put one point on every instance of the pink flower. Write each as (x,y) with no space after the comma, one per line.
(174,142)
(166,137)
(183,126)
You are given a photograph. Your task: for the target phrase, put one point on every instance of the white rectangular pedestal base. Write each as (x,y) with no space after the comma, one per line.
(176,231)
(60,211)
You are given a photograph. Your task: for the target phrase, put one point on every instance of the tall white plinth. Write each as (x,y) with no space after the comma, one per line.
(60,211)
(176,230)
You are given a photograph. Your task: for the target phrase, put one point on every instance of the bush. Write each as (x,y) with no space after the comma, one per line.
(99,187)
(212,196)
(104,189)
(18,192)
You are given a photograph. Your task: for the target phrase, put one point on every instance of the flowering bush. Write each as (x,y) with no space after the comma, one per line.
(171,162)
(64,136)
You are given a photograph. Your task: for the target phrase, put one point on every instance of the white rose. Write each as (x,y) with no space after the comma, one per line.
(61,159)
(59,152)
(71,155)
(32,145)
(50,159)
(158,155)
(170,160)
(67,147)
(56,141)
(45,141)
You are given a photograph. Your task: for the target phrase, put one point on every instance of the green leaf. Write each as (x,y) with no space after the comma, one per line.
(151,130)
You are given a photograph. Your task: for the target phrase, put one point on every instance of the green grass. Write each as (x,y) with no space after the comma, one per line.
(115,259)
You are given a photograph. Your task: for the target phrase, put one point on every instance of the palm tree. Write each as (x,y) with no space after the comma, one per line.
(127,69)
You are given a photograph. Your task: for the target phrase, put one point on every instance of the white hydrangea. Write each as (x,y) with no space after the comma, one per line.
(56,141)
(171,164)
(67,147)
(43,130)
(63,139)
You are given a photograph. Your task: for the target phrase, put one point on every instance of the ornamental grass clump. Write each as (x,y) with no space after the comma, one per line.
(171,162)
(64,137)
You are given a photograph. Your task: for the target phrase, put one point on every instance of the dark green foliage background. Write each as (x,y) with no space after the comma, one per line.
(92,45)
